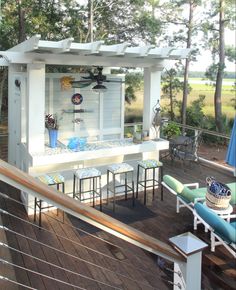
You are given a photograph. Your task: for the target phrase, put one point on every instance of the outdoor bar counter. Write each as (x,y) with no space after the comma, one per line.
(96,150)
(95,154)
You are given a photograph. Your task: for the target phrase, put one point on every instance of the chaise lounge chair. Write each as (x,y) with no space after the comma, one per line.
(186,194)
(189,194)
(222,232)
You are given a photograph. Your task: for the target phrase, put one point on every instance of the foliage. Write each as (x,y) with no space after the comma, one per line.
(51,122)
(133,83)
(171,130)
(194,114)
(219,16)
(230,53)
(171,86)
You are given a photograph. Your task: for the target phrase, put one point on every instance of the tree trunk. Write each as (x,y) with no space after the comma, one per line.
(186,69)
(221,66)
(21,18)
(90,19)
(171,102)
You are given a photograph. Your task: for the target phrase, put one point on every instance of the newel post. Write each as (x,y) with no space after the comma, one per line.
(188,275)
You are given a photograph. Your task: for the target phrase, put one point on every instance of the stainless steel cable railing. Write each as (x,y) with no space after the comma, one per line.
(60,252)
(40,274)
(26,183)
(125,250)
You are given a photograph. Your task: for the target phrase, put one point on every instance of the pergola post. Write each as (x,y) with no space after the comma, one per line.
(152,92)
(35,106)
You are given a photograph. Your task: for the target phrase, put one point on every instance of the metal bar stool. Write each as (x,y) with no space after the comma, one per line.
(93,175)
(49,179)
(146,165)
(119,169)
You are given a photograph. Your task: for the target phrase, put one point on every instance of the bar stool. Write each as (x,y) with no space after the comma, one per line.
(49,179)
(93,175)
(146,165)
(119,169)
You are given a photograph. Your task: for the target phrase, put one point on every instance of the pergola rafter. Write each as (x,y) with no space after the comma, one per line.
(94,53)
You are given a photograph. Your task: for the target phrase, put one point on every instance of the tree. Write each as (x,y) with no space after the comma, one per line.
(221,15)
(172,85)
(189,23)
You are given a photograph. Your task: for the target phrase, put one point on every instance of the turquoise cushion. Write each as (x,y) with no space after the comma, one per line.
(150,163)
(220,226)
(190,194)
(232,187)
(173,183)
(233,224)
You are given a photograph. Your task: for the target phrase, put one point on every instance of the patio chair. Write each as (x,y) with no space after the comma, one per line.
(187,150)
(222,232)
(186,194)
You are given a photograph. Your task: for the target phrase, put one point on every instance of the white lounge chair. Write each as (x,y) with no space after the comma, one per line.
(186,194)
(222,232)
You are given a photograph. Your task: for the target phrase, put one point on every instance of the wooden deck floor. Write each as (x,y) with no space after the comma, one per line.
(122,265)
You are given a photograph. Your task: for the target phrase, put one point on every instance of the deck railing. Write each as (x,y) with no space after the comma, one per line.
(30,185)
(194,131)
(204,135)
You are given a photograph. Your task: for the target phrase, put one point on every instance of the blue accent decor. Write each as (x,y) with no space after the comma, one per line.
(231,153)
(53,138)
(82,143)
(73,143)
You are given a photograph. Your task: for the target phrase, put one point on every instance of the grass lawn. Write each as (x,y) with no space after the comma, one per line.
(135,109)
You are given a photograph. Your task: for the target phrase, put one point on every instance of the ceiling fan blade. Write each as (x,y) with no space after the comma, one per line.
(90,77)
(80,85)
(114,81)
(81,82)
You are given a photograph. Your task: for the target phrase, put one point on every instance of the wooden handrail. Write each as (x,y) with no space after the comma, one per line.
(24,181)
(204,131)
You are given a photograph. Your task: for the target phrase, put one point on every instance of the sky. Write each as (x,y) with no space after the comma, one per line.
(204,60)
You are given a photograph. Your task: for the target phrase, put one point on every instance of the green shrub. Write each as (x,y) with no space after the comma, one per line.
(171,130)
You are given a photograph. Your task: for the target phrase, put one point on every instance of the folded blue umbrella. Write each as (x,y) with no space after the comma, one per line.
(231,152)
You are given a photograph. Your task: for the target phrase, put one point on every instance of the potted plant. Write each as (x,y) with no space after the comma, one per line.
(171,130)
(51,123)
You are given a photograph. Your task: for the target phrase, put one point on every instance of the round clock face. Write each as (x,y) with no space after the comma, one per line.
(77,99)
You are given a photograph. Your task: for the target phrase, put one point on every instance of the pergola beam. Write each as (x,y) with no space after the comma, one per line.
(73,53)
(78,60)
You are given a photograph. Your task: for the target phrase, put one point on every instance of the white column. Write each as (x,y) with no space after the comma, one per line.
(152,92)
(14,115)
(35,107)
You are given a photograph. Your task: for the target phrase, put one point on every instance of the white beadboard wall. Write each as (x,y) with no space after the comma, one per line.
(105,119)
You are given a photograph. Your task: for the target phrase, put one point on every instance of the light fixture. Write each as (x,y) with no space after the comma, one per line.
(99,88)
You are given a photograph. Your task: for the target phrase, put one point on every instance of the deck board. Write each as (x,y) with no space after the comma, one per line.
(139,266)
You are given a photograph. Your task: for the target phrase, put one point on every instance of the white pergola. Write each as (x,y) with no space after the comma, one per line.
(35,54)
(67,52)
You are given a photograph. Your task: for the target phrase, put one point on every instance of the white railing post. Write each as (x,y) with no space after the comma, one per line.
(188,275)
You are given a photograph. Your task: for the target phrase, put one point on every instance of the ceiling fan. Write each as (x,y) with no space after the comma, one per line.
(98,78)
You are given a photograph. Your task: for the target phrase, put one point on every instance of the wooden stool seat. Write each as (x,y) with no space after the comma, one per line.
(146,165)
(49,179)
(93,175)
(119,169)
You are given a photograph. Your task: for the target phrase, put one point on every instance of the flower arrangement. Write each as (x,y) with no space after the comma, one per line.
(51,122)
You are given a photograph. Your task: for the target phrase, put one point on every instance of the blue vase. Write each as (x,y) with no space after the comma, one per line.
(53,137)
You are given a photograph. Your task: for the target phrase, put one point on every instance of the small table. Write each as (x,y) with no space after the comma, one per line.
(223,213)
